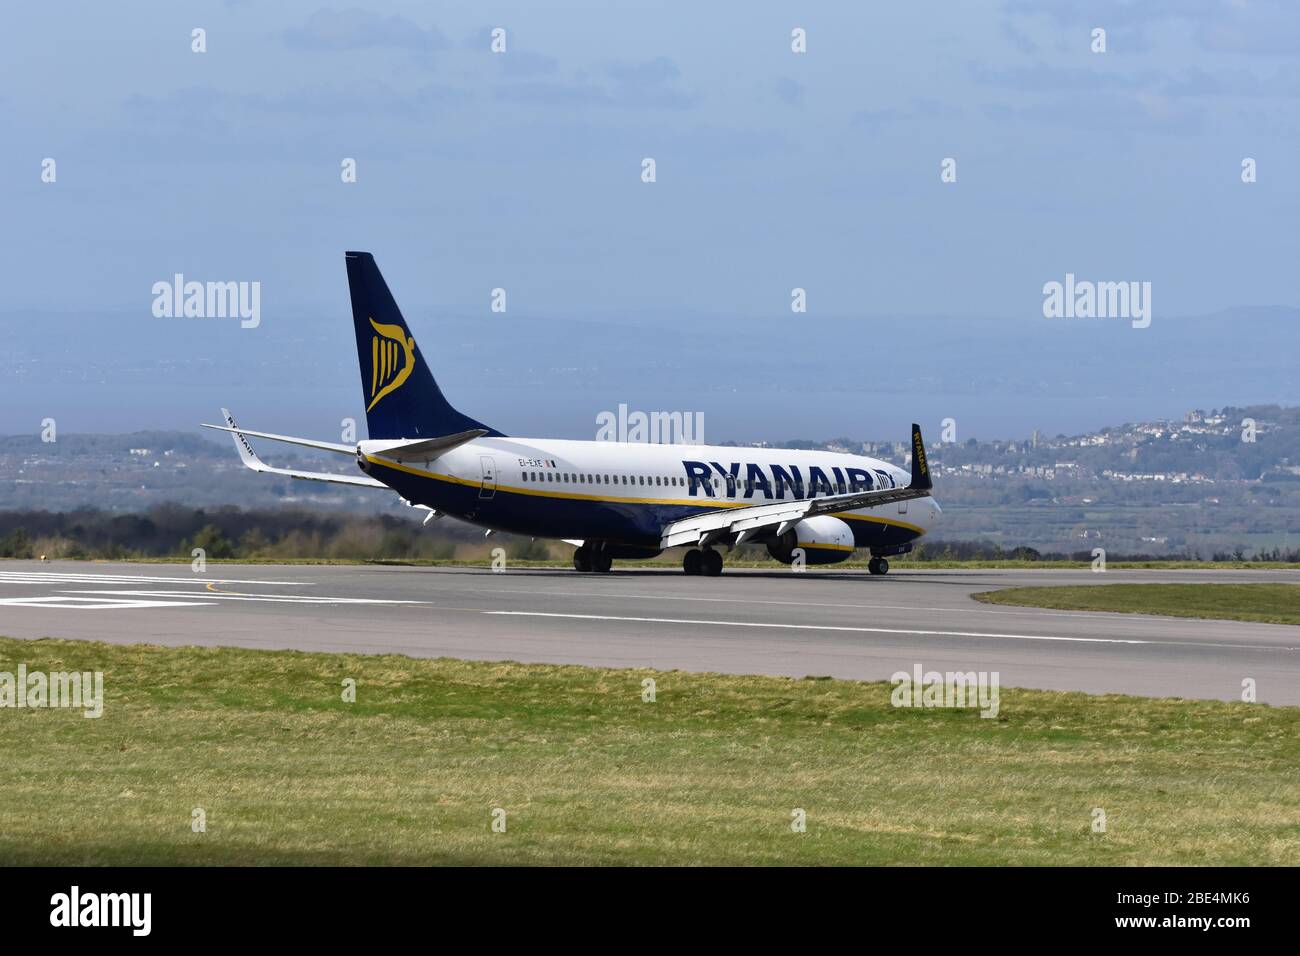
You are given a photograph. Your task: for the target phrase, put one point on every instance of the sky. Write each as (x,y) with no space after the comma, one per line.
(522,170)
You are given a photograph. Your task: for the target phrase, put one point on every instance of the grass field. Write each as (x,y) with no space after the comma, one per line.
(587,772)
(1270,603)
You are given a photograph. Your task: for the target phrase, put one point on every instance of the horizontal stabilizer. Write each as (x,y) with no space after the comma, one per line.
(335,447)
(250,459)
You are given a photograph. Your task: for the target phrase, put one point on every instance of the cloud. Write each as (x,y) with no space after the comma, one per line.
(1041,78)
(790,91)
(1240,83)
(355,29)
(1268,36)
(1108,13)
(1106,112)
(1018,38)
(922,108)
(525,63)
(553,93)
(1258,27)
(645,85)
(1194,82)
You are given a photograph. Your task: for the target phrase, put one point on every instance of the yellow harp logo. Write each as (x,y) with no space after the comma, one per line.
(392,356)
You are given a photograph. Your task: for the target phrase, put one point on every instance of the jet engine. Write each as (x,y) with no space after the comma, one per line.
(823,539)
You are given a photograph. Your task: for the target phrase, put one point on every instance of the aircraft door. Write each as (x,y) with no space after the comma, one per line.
(488,487)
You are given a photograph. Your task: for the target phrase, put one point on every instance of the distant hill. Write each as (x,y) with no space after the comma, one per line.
(1186,486)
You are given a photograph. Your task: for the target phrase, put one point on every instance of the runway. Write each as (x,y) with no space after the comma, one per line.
(838,624)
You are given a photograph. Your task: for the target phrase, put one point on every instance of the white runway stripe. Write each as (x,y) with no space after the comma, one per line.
(1003,610)
(70,577)
(887,630)
(92,604)
(231,596)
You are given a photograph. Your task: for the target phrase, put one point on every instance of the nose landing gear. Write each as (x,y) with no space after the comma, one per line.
(878,566)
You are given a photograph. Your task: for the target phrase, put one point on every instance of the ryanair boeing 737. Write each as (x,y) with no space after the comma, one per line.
(610,500)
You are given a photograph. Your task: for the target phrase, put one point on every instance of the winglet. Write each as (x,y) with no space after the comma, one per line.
(246,453)
(920,468)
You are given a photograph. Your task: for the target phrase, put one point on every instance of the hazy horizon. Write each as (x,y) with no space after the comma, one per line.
(775,171)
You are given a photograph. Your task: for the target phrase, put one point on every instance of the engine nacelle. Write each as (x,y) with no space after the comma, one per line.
(824,539)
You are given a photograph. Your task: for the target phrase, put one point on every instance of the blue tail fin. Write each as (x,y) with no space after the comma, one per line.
(401,398)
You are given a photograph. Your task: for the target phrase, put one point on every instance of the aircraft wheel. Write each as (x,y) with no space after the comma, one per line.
(693,561)
(712,563)
(582,559)
(878,566)
(601,561)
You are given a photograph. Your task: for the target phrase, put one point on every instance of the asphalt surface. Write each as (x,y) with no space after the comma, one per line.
(839,624)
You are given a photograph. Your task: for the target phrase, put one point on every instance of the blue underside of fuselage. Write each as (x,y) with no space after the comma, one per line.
(638,525)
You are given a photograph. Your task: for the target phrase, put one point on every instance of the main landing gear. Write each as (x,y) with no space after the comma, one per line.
(878,566)
(585,559)
(707,562)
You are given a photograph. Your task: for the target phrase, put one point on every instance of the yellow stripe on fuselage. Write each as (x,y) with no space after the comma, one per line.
(578,496)
(812,546)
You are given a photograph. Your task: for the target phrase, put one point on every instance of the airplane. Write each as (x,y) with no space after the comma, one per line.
(610,500)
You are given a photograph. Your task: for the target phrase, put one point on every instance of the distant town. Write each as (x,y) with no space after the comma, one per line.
(1219,482)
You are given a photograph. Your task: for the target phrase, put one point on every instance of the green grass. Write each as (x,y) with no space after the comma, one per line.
(589,774)
(1271,603)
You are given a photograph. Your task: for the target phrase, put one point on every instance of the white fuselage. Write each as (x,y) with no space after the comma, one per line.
(561,488)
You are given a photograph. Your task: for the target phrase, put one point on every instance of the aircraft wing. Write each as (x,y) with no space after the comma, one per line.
(745,522)
(250,459)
